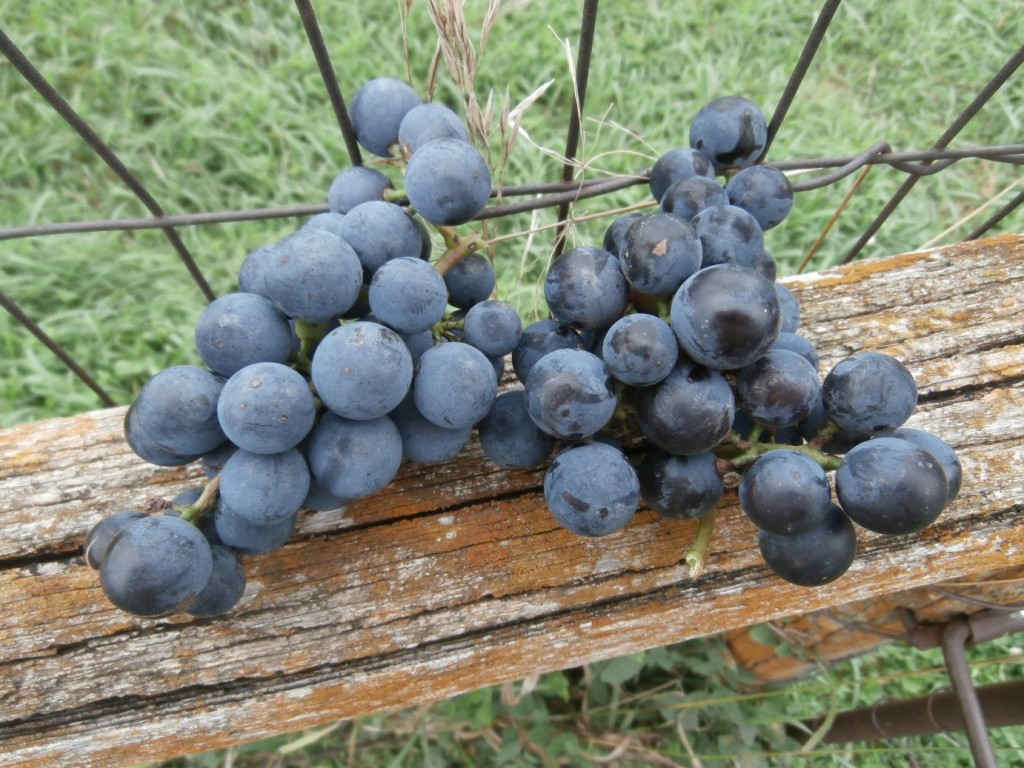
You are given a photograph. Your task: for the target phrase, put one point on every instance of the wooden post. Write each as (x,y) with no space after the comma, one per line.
(457,577)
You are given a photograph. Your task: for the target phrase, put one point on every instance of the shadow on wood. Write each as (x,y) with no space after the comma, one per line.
(457,577)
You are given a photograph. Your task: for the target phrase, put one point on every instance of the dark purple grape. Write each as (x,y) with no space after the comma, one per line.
(816,556)
(224,588)
(155,566)
(785,492)
(448,182)
(802,346)
(454,385)
(313,276)
(790,308)
(659,252)
(640,349)
(146,448)
(510,438)
(762,191)
(177,410)
(592,490)
(357,185)
(328,221)
(729,235)
(778,389)
(378,232)
(676,165)
(427,122)
(869,393)
(238,329)
(730,131)
(408,295)
(266,408)
(890,486)
(537,340)
(362,370)
(726,316)
(354,459)
(679,487)
(585,288)
(103,533)
(423,442)
(689,412)
(941,451)
(569,394)
(264,489)
(377,111)
(251,273)
(237,533)
(616,232)
(470,281)
(686,198)
(493,327)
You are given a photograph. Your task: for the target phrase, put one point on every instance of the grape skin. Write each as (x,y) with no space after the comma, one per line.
(779,389)
(680,487)
(686,198)
(730,131)
(729,235)
(427,122)
(659,252)
(455,385)
(244,537)
(585,288)
(238,329)
(869,393)
(424,442)
(785,492)
(640,349)
(676,165)
(570,394)
(941,451)
(263,488)
(817,556)
(379,231)
(266,408)
(313,276)
(493,327)
(354,459)
(592,489)
(408,295)
(890,486)
(510,438)
(356,185)
(470,281)
(537,340)
(224,588)
(448,182)
(177,410)
(690,411)
(762,191)
(103,533)
(377,111)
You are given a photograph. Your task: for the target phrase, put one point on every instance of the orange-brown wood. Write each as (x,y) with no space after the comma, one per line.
(456,576)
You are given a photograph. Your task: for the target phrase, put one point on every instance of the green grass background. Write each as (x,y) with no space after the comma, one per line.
(218,105)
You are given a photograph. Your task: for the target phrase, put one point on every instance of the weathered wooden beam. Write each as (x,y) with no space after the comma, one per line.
(457,577)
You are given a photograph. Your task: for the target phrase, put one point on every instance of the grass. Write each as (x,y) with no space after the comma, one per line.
(218,106)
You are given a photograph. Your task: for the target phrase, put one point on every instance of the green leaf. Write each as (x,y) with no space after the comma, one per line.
(764,635)
(619,670)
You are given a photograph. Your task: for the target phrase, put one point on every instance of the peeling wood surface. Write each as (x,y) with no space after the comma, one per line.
(457,577)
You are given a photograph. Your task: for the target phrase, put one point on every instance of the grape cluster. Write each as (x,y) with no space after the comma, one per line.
(670,358)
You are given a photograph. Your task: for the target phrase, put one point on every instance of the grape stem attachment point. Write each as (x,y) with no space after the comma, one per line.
(699,548)
(458,247)
(194,512)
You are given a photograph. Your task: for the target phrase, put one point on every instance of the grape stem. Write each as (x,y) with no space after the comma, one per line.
(194,512)
(458,247)
(445,328)
(751,448)
(309,335)
(699,548)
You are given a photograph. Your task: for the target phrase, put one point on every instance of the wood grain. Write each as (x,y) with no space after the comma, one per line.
(456,576)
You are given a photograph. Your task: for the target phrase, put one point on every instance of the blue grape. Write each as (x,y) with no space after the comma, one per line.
(424,442)
(266,408)
(941,451)
(146,448)
(729,235)
(680,487)
(592,489)
(730,131)
(779,389)
(726,316)
(377,111)
(103,533)
(448,182)
(155,566)
(470,281)
(419,342)
(205,524)
(454,385)
(264,489)
(379,232)
(570,394)
(869,393)
(615,235)
(238,329)
(689,412)
(427,122)
(659,252)
(688,197)
(224,588)
(785,492)
(537,340)
(319,499)
(802,346)
(640,349)
(408,295)
(354,459)
(818,419)
(328,221)
(585,287)
(362,370)
(356,185)
(313,276)
(510,438)
(743,425)
(493,327)
(762,191)
(890,486)
(817,556)
(214,461)
(246,538)
(177,410)
(676,165)
(251,273)
(790,308)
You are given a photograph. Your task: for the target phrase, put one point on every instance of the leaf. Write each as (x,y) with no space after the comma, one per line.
(763,635)
(619,670)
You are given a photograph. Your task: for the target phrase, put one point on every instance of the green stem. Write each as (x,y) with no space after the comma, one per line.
(751,448)
(194,512)
(309,335)
(445,327)
(699,549)
(458,247)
